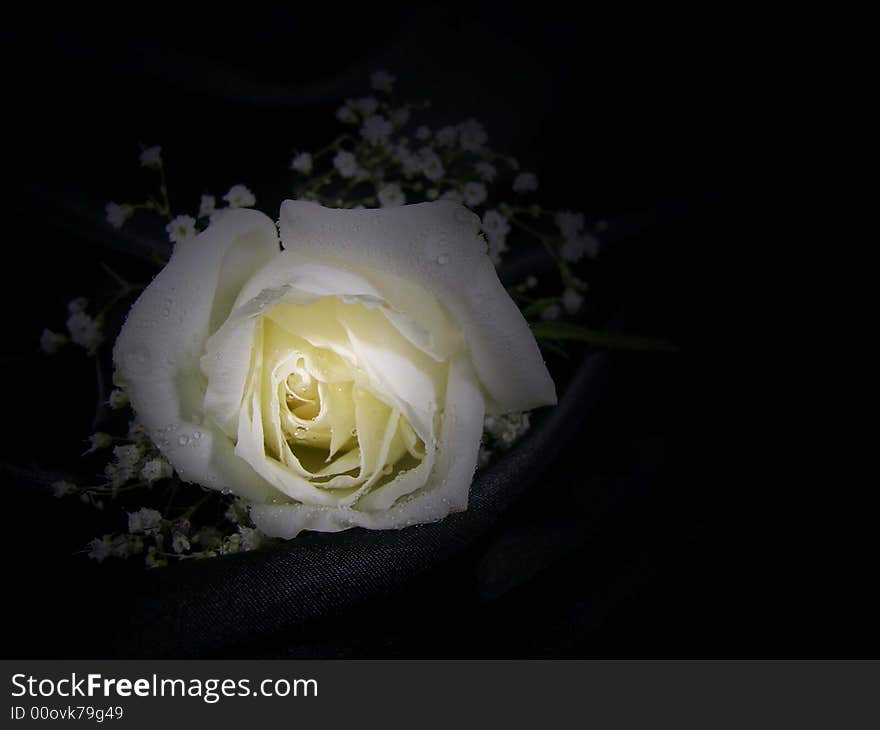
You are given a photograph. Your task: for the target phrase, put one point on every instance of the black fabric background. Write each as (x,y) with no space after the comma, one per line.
(673,505)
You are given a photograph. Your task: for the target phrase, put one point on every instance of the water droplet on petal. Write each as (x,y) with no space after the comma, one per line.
(300,432)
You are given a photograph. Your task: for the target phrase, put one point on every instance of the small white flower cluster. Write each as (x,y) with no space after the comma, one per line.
(506,429)
(62,488)
(382,167)
(302,163)
(181,228)
(144,522)
(98,441)
(118,399)
(117,546)
(152,157)
(82,329)
(525,182)
(500,433)
(496,227)
(118,214)
(125,464)
(161,538)
(576,243)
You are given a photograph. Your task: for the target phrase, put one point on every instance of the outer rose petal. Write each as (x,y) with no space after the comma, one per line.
(445,490)
(435,245)
(158,350)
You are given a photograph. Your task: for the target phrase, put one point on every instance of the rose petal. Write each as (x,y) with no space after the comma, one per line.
(436,246)
(444,491)
(158,351)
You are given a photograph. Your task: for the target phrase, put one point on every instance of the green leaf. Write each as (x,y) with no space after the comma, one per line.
(562,331)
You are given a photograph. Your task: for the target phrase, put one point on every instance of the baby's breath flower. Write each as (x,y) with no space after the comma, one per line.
(128,455)
(152,157)
(571,225)
(240,197)
(346,115)
(179,543)
(551,312)
(51,342)
(155,469)
(84,331)
(236,512)
(474,193)
(574,249)
(400,116)
(365,105)
(181,229)
(472,137)
(445,136)
(454,195)
(207,205)
(525,182)
(430,164)
(345,163)
(119,546)
(410,164)
(376,130)
(382,81)
(99,440)
(390,196)
(118,399)
(571,300)
(486,170)
(118,214)
(250,538)
(496,228)
(231,544)
(423,133)
(145,521)
(100,548)
(302,163)
(118,475)
(61,488)
(508,428)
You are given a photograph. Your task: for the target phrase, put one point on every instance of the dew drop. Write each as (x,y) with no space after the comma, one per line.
(354,432)
(300,432)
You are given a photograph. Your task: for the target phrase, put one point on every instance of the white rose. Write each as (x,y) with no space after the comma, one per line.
(342,381)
